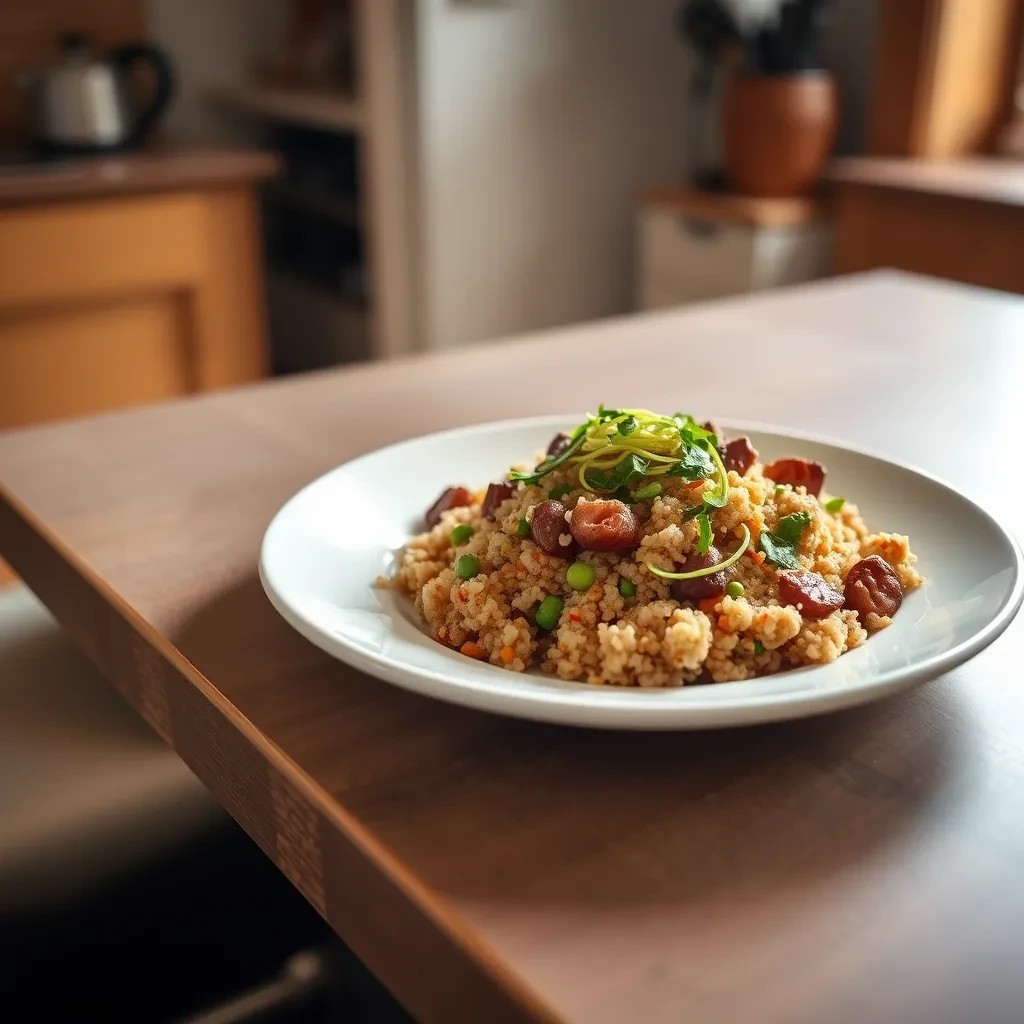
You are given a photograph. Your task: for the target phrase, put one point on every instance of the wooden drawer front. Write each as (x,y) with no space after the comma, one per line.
(77,359)
(92,249)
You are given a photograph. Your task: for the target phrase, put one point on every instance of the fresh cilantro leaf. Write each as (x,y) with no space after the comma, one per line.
(790,529)
(835,505)
(695,464)
(704,533)
(693,433)
(628,425)
(631,468)
(692,512)
(777,551)
(648,491)
(780,546)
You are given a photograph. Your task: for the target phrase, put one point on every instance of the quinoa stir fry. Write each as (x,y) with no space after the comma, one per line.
(649,550)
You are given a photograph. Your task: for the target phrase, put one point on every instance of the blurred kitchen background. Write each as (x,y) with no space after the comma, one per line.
(195,193)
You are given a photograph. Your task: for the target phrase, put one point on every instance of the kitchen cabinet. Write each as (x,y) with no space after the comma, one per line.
(694,245)
(129,280)
(958,219)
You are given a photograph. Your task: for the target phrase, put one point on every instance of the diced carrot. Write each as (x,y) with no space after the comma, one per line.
(723,623)
(472,650)
(707,604)
(536,554)
(574,616)
(507,654)
(462,596)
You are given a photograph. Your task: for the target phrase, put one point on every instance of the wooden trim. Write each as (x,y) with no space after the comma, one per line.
(907,33)
(735,209)
(943,76)
(386,163)
(444,972)
(228,304)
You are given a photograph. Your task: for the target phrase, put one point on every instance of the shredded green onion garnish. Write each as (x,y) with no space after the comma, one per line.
(619,446)
(616,451)
(696,573)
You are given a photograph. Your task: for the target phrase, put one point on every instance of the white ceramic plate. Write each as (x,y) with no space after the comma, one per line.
(327,545)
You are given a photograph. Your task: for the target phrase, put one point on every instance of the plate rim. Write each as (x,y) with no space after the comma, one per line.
(558,708)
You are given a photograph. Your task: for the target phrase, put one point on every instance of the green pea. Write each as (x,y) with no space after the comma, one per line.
(627,588)
(467,567)
(549,612)
(758,647)
(580,576)
(523,529)
(835,506)
(735,589)
(559,492)
(650,491)
(460,534)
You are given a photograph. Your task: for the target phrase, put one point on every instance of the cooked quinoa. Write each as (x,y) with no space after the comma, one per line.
(484,585)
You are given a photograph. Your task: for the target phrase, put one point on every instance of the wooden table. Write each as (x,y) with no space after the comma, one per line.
(864,866)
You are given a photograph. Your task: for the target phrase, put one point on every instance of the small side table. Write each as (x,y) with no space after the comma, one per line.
(695,245)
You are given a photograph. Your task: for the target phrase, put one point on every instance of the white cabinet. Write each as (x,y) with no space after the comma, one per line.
(693,246)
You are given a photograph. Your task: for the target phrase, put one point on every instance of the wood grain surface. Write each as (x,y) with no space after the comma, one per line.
(859,867)
(958,219)
(157,170)
(734,208)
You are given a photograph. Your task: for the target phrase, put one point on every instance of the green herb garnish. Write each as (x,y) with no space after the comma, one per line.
(616,449)
(647,492)
(835,505)
(695,464)
(549,465)
(779,546)
(704,534)
(758,647)
(559,492)
(696,573)
(631,468)
(791,528)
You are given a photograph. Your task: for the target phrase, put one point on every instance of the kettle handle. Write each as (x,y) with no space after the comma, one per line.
(123,58)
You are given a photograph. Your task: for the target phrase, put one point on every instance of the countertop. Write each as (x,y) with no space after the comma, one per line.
(992,180)
(132,173)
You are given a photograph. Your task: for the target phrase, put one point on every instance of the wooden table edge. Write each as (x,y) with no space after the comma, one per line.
(454,970)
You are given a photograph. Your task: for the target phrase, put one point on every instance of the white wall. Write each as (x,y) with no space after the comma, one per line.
(212,39)
(539,121)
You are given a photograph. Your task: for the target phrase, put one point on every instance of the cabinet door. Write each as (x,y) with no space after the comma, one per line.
(75,360)
(116,302)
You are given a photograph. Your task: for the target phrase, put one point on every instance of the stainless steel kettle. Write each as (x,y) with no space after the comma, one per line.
(84,103)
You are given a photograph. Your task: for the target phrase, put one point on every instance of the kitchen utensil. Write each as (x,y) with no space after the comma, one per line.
(84,103)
